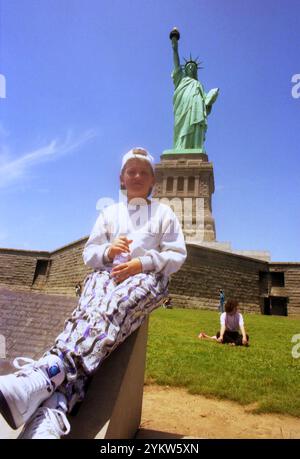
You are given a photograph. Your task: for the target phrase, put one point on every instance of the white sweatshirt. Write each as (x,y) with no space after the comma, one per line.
(233,322)
(155,230)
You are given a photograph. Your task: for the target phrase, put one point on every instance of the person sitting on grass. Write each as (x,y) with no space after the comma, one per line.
(231,322)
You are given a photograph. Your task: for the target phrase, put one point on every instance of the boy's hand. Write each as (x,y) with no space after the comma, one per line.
(119,245)
(125,270)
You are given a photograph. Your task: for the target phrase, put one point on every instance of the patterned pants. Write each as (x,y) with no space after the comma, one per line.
(106,315)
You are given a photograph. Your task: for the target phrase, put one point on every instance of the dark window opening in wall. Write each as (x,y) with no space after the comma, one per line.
(277,279)
(267,307)
(170,182)
(264,281)
(180,184)
(191,184)
(263,276)
(41,270)
(279,306)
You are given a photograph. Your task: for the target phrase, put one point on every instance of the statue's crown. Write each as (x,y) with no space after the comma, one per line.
(193,61)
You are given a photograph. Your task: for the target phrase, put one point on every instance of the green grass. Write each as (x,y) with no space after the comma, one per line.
(264,374)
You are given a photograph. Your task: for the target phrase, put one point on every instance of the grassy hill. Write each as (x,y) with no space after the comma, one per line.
(265,374)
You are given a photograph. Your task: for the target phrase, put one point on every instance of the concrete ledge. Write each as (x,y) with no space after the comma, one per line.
(113,404)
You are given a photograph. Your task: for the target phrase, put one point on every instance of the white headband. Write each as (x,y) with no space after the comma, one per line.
(138,153)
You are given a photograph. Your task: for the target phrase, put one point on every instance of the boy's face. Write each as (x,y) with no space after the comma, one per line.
(138,178)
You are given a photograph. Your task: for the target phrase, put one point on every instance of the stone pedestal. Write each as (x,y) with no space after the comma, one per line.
(113,404)
(185,179)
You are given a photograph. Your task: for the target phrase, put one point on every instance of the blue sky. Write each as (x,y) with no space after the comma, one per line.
(88,79)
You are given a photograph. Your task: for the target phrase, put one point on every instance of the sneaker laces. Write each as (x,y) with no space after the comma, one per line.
(35,384)
(27,361)
(47,421)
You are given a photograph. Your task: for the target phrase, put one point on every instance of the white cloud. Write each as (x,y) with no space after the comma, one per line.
(12,170)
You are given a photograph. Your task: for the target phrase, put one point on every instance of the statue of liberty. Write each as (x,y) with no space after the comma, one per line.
(191,104)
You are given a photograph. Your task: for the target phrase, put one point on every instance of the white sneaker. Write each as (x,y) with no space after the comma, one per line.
(21,393)
(49,421)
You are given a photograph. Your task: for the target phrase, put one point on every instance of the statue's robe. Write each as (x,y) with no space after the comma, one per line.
(190,110)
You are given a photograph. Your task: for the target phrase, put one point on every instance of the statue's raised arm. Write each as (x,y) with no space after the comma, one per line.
(174,37)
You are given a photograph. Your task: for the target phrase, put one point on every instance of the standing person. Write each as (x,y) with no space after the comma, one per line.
(116,298)
(222,301)
(231,322)
(78,289)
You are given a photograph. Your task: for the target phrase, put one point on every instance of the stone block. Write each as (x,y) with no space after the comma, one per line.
(113,405)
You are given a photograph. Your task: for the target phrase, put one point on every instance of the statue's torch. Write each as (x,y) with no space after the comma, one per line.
(174,34)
